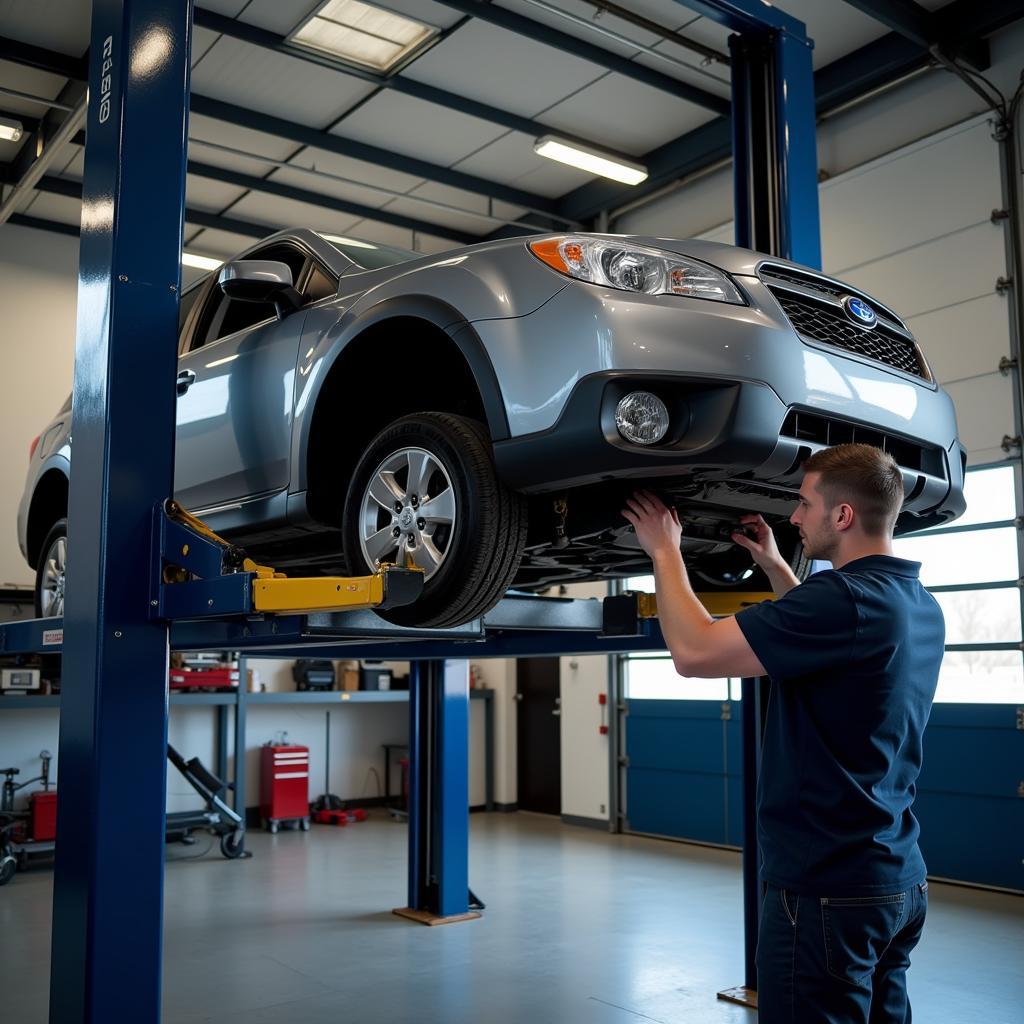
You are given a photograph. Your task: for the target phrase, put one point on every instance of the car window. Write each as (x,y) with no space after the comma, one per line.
(319,285)
(222,316)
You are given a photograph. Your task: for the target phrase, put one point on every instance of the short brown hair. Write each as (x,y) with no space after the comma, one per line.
(862,476)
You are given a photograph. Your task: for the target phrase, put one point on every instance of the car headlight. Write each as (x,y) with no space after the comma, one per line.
(635,268)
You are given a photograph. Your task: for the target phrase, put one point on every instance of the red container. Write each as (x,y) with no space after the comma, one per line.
(43,808)
(204,679)
(284,783)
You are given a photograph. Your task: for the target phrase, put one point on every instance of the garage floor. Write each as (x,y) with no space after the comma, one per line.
(581,928)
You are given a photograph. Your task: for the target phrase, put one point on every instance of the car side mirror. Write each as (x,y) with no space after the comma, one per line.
(260,281)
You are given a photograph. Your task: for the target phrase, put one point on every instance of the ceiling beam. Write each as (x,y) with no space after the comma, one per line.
(871,67)
(54,63)
(34,56)
(71,189)
(270,186)
(256,36)
(320,139)
(918,25)
(542,33)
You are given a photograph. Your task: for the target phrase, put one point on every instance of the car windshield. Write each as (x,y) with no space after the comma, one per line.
(369,255)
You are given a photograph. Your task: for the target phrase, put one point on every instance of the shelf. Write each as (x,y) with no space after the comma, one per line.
(207,699)
(229,699)
(329,697)
(26,701)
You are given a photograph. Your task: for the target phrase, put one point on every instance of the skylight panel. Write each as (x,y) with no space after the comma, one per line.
(362,33)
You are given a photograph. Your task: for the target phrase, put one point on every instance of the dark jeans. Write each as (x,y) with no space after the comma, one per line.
(837,961)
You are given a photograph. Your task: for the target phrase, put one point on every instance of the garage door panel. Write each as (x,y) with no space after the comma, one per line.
(972,838)
(680,804)
(966,339)
(984,412)
(936,274)
(899,200)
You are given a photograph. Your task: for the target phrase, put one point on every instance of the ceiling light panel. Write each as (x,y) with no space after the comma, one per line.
(362,33)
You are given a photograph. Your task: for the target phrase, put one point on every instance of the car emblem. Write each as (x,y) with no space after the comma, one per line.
(859,311)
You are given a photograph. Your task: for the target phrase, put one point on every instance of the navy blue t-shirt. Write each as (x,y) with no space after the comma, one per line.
(854,656)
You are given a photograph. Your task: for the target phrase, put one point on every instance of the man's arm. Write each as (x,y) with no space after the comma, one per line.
(699,645)
(760,542)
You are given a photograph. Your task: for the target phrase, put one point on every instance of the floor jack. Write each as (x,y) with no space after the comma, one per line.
(217,818)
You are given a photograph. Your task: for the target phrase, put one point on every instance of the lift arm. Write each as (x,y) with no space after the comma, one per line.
(198,574)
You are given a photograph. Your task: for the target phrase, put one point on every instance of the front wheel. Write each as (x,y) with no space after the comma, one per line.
(51,572)
(232,845)
(426,493)
(8,866)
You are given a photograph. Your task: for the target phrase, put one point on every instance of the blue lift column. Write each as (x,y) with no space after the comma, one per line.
(108,883)
(438,793)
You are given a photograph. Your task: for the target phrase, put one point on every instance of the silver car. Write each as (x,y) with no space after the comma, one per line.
(483,412)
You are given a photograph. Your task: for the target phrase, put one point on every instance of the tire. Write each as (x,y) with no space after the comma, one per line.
(232,845)
(734,570)
(8,866)
(50,573)
(470,549)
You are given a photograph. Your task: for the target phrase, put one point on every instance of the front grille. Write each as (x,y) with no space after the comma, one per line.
(829,324)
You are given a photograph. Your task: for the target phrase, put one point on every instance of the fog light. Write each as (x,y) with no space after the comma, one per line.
(642,418)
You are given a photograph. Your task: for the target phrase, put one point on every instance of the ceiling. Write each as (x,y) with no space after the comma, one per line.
(440,152)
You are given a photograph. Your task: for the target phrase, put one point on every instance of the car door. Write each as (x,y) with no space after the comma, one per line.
(236,392)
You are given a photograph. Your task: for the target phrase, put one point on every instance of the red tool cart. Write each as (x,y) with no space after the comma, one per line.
(284,786)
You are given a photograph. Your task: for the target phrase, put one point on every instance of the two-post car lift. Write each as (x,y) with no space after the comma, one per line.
(123,614)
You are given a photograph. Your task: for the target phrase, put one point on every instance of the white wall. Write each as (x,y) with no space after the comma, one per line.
(38,290)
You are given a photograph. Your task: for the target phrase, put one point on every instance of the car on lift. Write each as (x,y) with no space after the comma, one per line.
(483,413)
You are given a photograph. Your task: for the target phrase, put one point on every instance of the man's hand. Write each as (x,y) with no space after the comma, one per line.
(657,527)
(765,552)
(758,539)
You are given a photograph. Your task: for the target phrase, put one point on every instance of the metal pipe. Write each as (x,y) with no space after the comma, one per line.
(42,163)
(640,21)
(27,97)
(436,204)
(650,51)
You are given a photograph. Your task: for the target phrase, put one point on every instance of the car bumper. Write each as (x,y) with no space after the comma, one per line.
(747,398)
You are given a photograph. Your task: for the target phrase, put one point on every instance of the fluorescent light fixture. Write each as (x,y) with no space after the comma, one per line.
(592,160)
(10,129)
(191,259)
(361,33)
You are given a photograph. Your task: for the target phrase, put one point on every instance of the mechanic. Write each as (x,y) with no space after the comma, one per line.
(853,654)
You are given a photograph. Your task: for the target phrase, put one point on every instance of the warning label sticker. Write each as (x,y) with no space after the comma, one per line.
(52,636)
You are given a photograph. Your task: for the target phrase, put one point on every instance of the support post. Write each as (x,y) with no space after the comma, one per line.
(754,695)
(241,703)
(108,881)
(775,163)
(438,793)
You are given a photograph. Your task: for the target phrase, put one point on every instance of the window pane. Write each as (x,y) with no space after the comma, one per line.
(982,557)
(989,494)
(981,677)
(657,679)
(981,616)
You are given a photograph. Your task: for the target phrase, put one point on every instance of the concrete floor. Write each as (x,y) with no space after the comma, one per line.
(581,928)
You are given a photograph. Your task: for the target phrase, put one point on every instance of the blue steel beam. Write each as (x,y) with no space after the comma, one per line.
(319,139)
(220,222)
(399,83)
(542,33)
(108,881)
(873,66)
(306,136)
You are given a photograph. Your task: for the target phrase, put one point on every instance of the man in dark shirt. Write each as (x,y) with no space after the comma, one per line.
(853,655)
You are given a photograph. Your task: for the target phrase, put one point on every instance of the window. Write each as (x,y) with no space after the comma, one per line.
(972,569)
(222,316)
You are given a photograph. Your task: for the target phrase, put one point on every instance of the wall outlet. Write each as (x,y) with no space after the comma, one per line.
(602,809)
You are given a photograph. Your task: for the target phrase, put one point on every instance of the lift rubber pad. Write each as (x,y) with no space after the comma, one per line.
(403,587)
